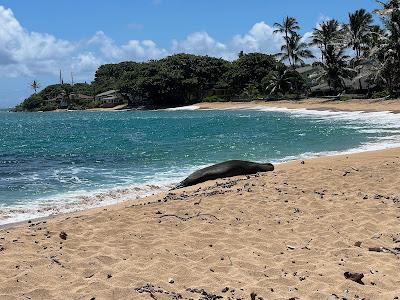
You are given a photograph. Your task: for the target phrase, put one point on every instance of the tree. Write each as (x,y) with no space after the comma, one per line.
(278,81)
(295,51)
(35,86)
(250,68)
(327,33)
(334,69)
(288,28)
(385,55)
(387,7)
(359,31)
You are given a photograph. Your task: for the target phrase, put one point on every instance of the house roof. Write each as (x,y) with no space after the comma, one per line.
(305,69)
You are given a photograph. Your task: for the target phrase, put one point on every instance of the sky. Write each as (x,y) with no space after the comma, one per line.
(38,38)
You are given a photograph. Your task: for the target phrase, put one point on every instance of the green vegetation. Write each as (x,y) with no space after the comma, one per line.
(372,69)
(51,96)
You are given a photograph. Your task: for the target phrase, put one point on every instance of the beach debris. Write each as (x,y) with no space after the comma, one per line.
(290,247)
(171,280)
(204,294)
(396,238)
(152,290)
(377,236)
(358,244)
(225,289)
(395,251)
(302,162)
(198,215)
(55,260)
(307,244)
(63,235)
(346,173)
(253,296)
(356,277)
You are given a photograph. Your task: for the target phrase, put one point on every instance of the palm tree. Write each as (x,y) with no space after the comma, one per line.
(334,69)
(387,7)
(384,56)
(35,86)
(327,33)
(295,51)
(287,29)
(278,81)
(374,38)
(358,30)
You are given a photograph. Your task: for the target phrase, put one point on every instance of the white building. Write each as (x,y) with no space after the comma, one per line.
(110,97)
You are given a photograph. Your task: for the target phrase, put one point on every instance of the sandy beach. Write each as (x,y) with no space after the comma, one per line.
(288,234)
(369,105)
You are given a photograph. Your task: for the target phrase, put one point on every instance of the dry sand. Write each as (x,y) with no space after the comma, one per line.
(288,234)
(314,103)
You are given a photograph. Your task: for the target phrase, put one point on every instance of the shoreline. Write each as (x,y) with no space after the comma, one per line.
(143,199)
(230,105)
(288,233)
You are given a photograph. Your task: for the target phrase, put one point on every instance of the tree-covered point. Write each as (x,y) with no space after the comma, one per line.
(175,80)
(47,98)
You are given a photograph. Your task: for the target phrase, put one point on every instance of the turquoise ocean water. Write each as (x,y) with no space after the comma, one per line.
(60,162)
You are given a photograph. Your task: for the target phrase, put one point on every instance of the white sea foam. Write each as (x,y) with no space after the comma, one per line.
(86,199)
(189,107)
(76,201)
(374,123)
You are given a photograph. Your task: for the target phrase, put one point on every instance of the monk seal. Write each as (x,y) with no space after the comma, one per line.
(226,169)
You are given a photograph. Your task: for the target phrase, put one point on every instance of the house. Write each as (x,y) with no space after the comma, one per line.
(110,97)
(356,84)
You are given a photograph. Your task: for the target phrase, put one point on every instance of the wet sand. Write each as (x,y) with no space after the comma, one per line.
(288,234)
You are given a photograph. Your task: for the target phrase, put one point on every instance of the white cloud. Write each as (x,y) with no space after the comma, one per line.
(132,50)
(28,52)
(259,38)
(107,45)
(40,56)
(142,50)
(201,43)
(86,63)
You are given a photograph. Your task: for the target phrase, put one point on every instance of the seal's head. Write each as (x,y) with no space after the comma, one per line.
(267,167)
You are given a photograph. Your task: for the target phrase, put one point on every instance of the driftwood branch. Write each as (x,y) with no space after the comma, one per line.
(384,250)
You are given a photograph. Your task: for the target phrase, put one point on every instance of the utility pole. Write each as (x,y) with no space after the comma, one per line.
(72,79)
(61,80)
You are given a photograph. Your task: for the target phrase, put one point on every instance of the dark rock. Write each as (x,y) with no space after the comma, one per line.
(63,235)
(356,277)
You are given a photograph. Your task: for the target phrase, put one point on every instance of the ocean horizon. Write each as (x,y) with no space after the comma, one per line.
(61,162)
